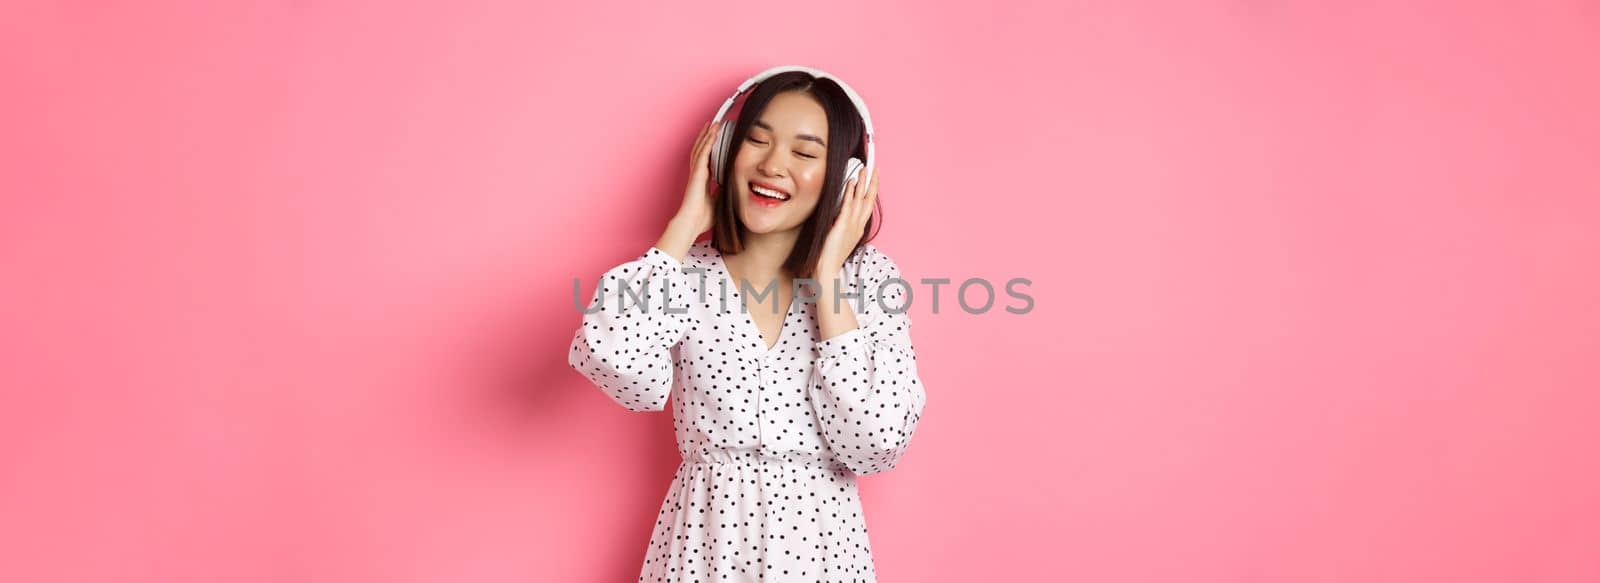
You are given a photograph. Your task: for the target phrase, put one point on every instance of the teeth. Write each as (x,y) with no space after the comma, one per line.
(768,193)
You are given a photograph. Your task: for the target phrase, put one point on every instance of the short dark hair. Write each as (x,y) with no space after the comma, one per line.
(845,130)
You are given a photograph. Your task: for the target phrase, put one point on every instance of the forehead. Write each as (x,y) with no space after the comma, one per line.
(795,112)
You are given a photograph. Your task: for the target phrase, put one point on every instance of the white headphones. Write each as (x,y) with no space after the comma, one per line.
(720,148)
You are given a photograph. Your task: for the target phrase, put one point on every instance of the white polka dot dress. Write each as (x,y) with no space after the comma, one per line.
(772,438)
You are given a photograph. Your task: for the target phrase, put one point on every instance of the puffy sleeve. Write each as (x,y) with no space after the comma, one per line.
(864,386)
(625,348)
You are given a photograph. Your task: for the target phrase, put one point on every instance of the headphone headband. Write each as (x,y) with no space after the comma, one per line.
(861,107)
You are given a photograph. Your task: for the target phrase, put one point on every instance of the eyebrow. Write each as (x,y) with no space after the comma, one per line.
(807,137)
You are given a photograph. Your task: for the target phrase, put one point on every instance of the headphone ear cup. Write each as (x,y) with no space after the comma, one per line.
(719,152)
(852,169)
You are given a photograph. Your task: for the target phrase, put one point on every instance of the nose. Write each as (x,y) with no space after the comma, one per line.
(770,164)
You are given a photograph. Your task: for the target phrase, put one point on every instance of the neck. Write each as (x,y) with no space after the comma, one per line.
(763,256)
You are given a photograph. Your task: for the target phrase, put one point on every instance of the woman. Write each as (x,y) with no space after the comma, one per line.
(779,399)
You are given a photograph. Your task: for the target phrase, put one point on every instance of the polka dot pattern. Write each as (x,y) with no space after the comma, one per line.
(772,438)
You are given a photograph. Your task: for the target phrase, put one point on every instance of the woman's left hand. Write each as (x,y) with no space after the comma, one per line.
(859,198)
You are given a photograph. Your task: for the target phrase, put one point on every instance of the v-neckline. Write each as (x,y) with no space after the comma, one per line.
(750,322)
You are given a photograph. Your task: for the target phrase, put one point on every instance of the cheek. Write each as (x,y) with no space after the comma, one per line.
(746,157)
(810,179)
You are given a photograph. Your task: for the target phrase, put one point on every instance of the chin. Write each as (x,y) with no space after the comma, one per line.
(760,220)
(762,226)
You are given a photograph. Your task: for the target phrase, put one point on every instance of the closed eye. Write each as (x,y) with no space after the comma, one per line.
(801,154)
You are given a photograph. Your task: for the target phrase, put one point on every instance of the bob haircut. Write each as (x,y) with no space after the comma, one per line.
(845,130)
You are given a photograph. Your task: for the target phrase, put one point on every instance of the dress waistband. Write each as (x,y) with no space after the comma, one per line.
(752,457)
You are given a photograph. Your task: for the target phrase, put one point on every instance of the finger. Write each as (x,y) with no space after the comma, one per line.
(699,139)
(702,150)
(853,210)
(872,197)
(861,191)
(872,190)
(849,197)
(712,133)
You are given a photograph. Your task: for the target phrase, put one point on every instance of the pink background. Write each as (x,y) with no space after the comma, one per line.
(287,286)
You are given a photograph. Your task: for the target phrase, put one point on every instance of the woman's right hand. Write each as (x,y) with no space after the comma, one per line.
(696,210)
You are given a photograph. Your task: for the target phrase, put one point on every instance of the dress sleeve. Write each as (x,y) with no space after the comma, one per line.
(626,350)
(864,386)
